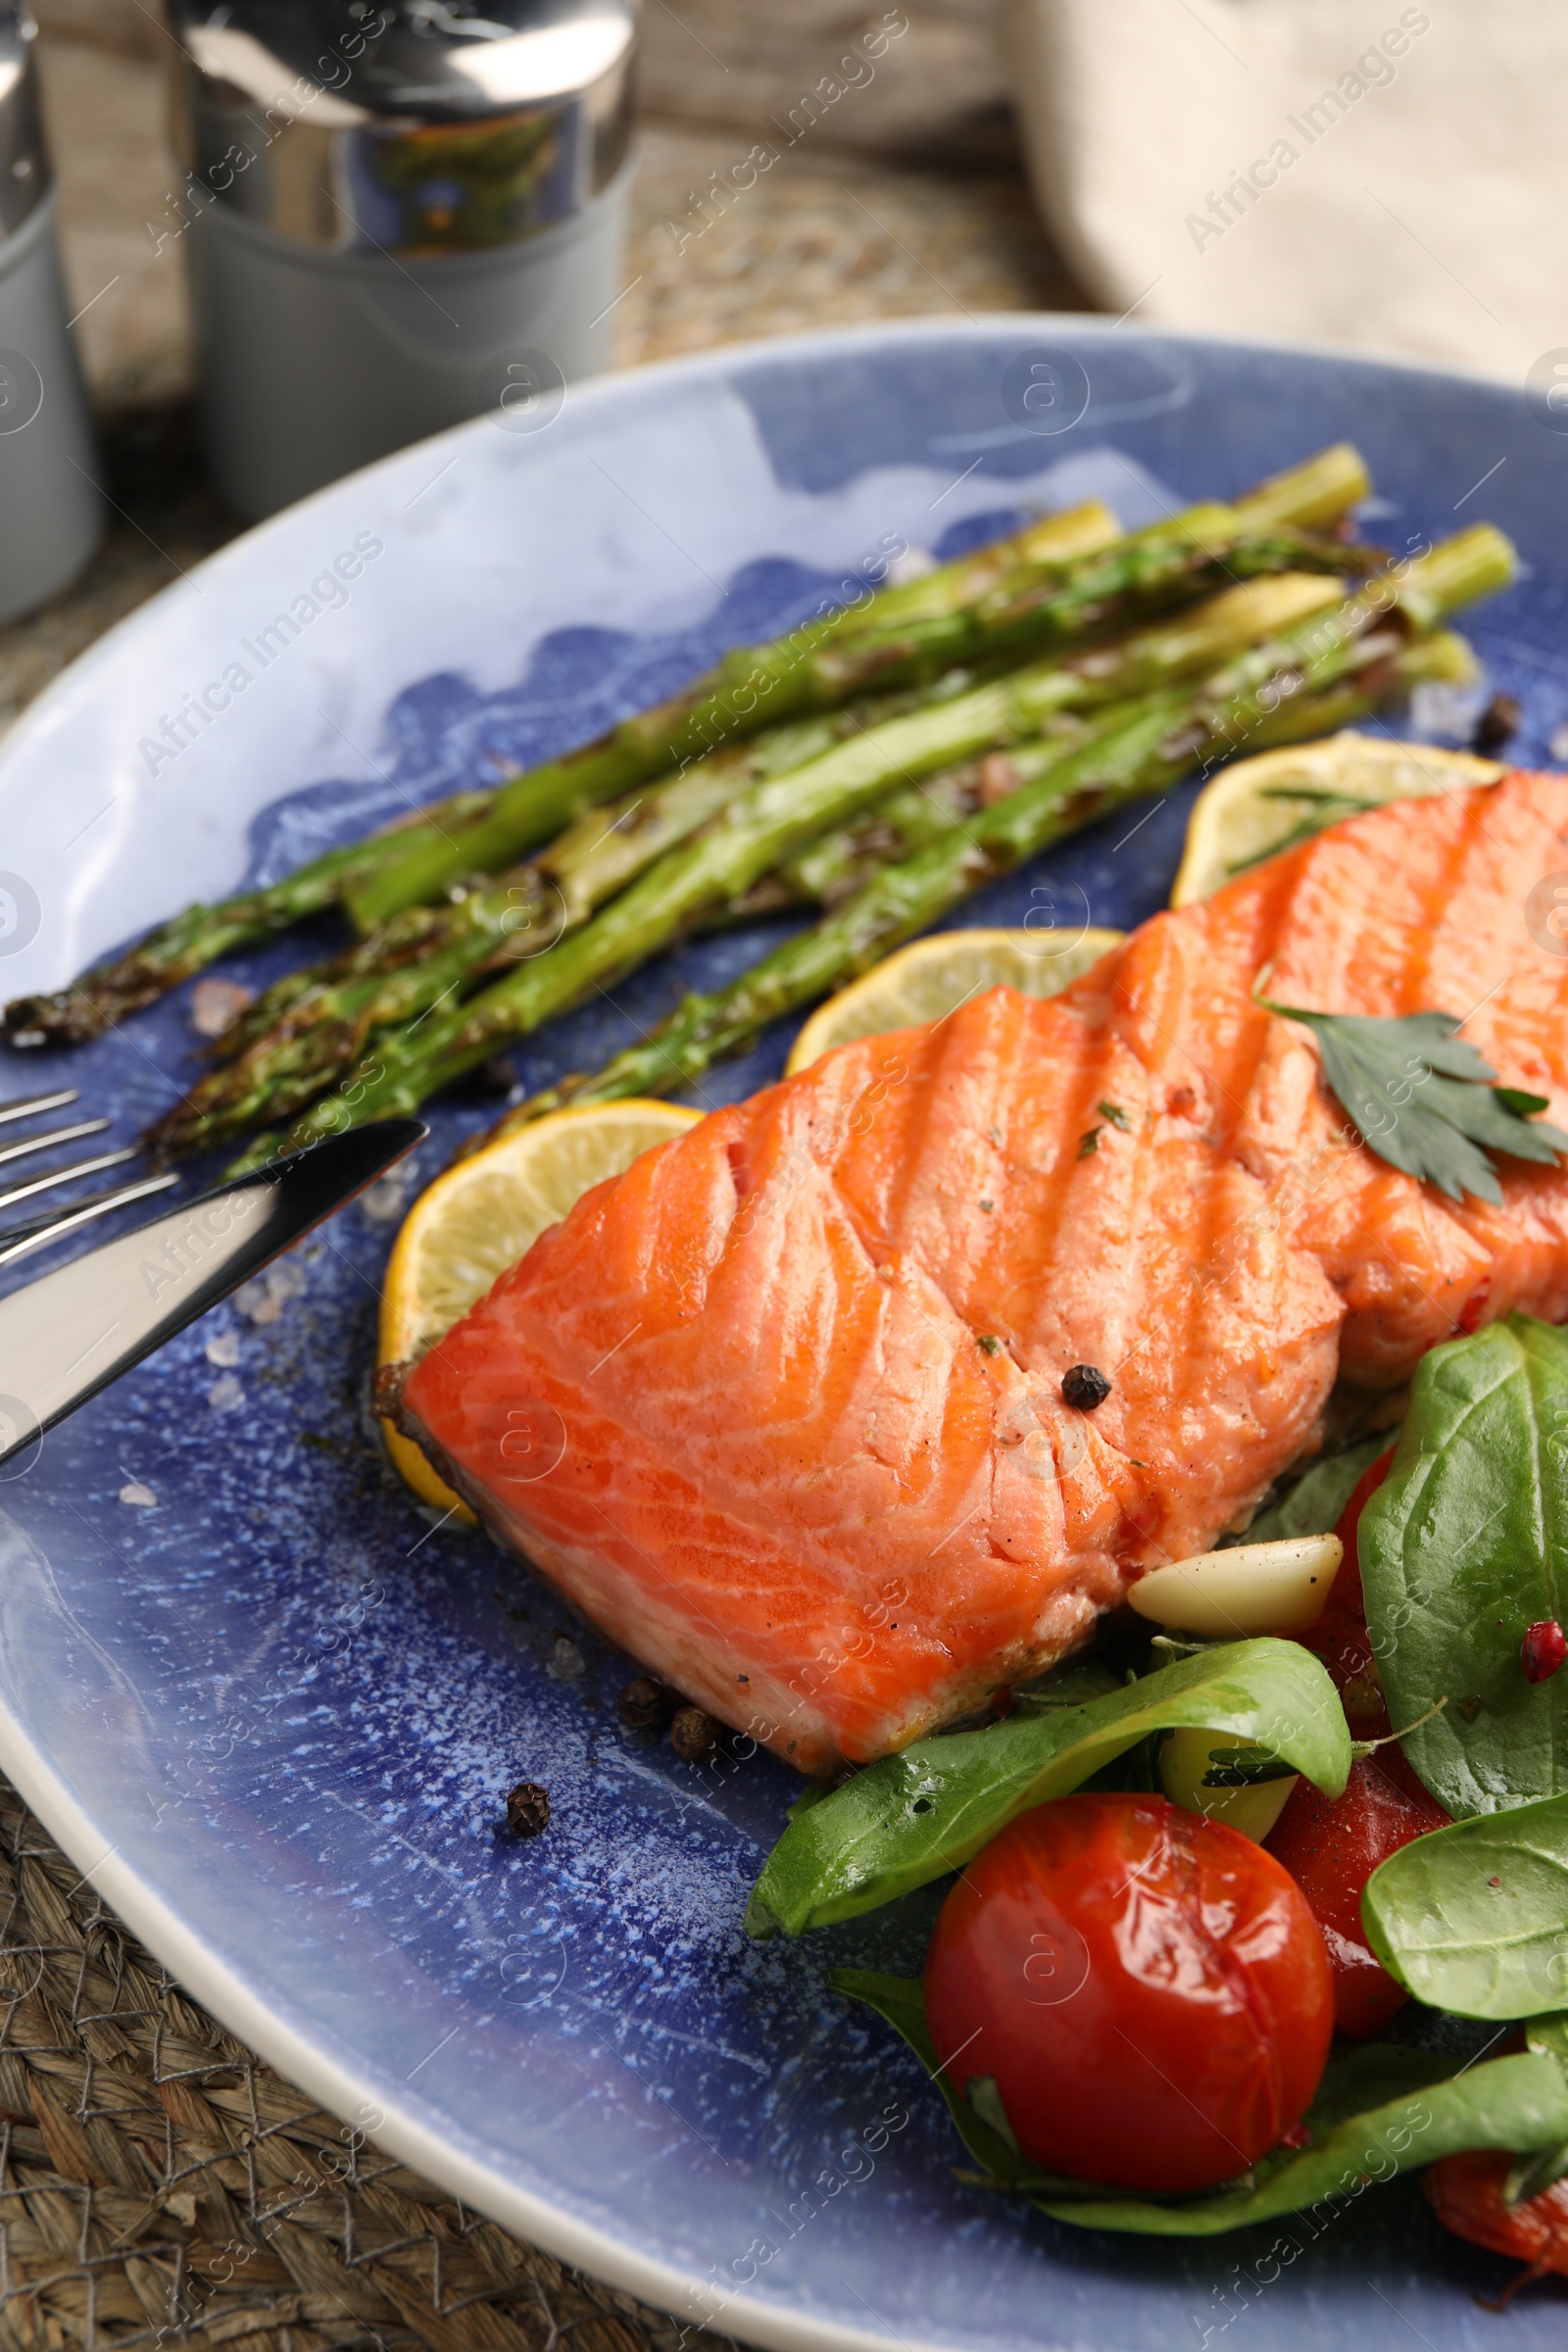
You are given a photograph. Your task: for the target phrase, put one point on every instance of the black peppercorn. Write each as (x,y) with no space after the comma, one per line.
(646,1706)
(1497,724)
(694,1735)
(1085,1387)
(528,1809)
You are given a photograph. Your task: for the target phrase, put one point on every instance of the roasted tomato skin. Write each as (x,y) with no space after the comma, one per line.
(1331,1848)
(1146,1989)
(1340,1636)
(1467,2192)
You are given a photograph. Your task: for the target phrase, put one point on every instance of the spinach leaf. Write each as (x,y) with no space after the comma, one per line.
(1381,2109)
(1530,2176)
(1315,1505)
(1548,2037)
(1475,1918)
(914,1817)
(1462,1548)
(1068,1687)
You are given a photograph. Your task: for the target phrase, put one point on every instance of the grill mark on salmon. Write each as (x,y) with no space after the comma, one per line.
(791,1481)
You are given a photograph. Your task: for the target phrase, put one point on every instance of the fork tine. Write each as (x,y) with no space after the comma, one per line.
(20,1239)
(51,1137)
(27,1106)
(76,1167)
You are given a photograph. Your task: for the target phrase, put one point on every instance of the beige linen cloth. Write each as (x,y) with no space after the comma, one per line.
(1352,171)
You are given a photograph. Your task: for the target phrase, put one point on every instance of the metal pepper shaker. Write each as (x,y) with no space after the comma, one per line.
(397,216)
(51,514)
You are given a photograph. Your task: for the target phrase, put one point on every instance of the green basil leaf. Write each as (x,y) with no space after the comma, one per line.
(1315,1503)
(915,1816)
(1381,2109)
(902,2001)
(1518,2104)
(1463,1548)
(1475,1918)
(1531,2175)
(1069,1686)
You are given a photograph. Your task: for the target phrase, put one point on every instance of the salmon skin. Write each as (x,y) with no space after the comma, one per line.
(780,1409)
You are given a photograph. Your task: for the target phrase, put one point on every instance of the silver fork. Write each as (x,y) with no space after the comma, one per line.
(33,1232)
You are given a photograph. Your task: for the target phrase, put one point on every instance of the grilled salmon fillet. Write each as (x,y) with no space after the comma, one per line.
(780,1409)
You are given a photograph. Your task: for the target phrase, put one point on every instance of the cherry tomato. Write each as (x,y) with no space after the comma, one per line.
(1146,1989)
(1340,1636)
(1331,1847)
(1466,2191)
(1349,1520)
(1331,1850)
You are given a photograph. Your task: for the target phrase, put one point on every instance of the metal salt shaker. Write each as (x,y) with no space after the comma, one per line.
(397,216)
(51,514)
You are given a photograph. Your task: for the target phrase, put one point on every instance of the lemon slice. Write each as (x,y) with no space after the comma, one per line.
(486,1212)
(934,976)
(1260,806)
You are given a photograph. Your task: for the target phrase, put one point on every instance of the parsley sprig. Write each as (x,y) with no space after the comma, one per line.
(1425,1100)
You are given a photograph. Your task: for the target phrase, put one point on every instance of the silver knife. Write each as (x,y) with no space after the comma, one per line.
(71,1333)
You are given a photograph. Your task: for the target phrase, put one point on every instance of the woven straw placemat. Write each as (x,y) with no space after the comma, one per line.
(160,2185)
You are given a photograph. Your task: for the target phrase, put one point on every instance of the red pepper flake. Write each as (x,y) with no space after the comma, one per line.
(1297,2136)
(1542,1650)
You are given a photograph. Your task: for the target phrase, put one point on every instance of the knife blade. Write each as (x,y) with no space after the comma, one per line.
(71,1333)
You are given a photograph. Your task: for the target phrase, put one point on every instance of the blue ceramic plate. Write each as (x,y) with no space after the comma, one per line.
(272,1711)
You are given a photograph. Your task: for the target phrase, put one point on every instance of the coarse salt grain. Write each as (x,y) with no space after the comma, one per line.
(263,1299)
(386,1198)
(213,1003)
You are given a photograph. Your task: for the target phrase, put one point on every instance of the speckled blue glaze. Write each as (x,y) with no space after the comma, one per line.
(276,1712)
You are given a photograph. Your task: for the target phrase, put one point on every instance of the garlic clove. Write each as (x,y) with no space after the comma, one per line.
(1253,1589)
(1189,1758)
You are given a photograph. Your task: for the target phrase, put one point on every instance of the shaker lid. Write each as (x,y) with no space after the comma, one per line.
(405,126)
(409,61)
(25,175)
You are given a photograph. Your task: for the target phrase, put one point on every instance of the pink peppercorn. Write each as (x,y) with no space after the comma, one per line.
(1542,1650)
